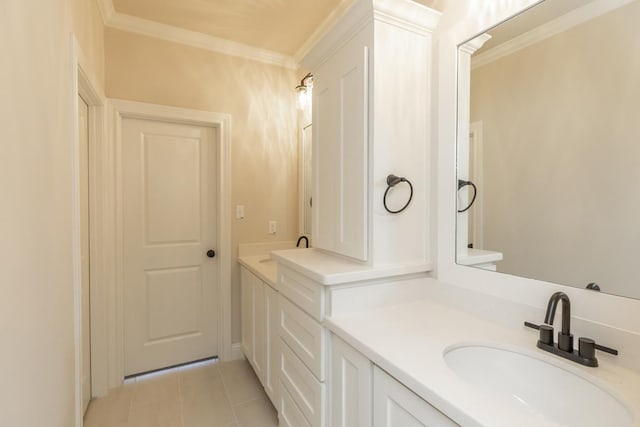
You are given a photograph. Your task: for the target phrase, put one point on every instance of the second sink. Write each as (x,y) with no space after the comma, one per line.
(536,386)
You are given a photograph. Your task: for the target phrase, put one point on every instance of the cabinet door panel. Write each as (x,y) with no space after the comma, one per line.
(351,386)
(395,405)
(271,342)
(246,309)
(340,150)
(258,356)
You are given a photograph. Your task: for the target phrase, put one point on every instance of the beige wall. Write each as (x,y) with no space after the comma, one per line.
(36,302)
(261,101)
(89,30)
(561,155)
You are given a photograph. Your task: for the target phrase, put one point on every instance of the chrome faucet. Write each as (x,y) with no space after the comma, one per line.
(586,346)
(306,240)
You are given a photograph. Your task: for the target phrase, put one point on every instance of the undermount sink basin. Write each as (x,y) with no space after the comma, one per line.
(537,387)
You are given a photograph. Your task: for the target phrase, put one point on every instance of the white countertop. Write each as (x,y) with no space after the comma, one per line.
(478,256)
(408,341)
(262,266)
(328,269)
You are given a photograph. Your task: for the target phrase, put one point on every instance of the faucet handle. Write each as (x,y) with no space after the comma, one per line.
(587,348)
(546,332)
(606,349)
(532,325)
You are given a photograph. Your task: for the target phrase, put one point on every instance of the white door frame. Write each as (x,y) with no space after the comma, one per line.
(85,84)
(221,123)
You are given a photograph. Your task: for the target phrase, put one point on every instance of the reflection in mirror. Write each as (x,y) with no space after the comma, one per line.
(306,200)
(548,105)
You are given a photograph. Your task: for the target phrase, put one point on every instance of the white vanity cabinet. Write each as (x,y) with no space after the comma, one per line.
(271,344)
(303,348)
(395,405)
(260,342)
(363,395)
(351,386)
(248,284)
(371,108)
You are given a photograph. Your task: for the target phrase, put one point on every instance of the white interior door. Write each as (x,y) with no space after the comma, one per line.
(169,225)
(83,140)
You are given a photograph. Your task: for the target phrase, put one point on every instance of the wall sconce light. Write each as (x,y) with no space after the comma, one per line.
(304,91)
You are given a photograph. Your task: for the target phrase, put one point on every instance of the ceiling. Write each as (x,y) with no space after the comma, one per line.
(281,26)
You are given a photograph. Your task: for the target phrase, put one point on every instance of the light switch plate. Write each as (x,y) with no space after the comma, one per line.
(273,227)
(239,211)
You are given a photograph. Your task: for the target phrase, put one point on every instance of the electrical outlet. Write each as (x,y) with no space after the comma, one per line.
(273,227)
(239,211)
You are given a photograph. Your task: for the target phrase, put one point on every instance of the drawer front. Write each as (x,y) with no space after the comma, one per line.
(289,414)
(304,292)
(306,391)
(304,335)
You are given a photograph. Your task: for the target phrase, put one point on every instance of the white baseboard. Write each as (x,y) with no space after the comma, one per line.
(236,351)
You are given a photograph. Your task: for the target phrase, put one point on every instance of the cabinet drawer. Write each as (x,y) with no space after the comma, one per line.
(304,335)
(303,291)
(305,389)
(290,415)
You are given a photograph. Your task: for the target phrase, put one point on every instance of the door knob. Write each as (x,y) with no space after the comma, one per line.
(211,253)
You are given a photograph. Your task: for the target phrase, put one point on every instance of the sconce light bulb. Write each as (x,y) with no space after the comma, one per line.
(302,97)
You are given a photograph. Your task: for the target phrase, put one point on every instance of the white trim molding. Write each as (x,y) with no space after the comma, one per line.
(346,22)
(85,84)
(133,24)
(221,123)
(329,22)
(236,352)
(563,23)
(106,10)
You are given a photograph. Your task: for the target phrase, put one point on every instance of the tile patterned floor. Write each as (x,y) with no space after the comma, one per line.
(208,394)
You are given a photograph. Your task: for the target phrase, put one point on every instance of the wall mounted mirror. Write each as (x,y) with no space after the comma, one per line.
(548,150)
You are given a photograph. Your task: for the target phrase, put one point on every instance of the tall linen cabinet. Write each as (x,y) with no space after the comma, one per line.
(371,117)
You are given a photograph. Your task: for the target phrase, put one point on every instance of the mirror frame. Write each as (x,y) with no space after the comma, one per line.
(464,20)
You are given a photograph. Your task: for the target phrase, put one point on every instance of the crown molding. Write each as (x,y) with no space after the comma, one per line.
(327,24)
(472,45)
(563,23)
(410,15)
(120,21)
(106,10)
(351,17)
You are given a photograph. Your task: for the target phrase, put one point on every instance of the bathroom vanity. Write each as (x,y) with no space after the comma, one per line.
(259,308)
(409,319)
(418,345)
(355,349)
